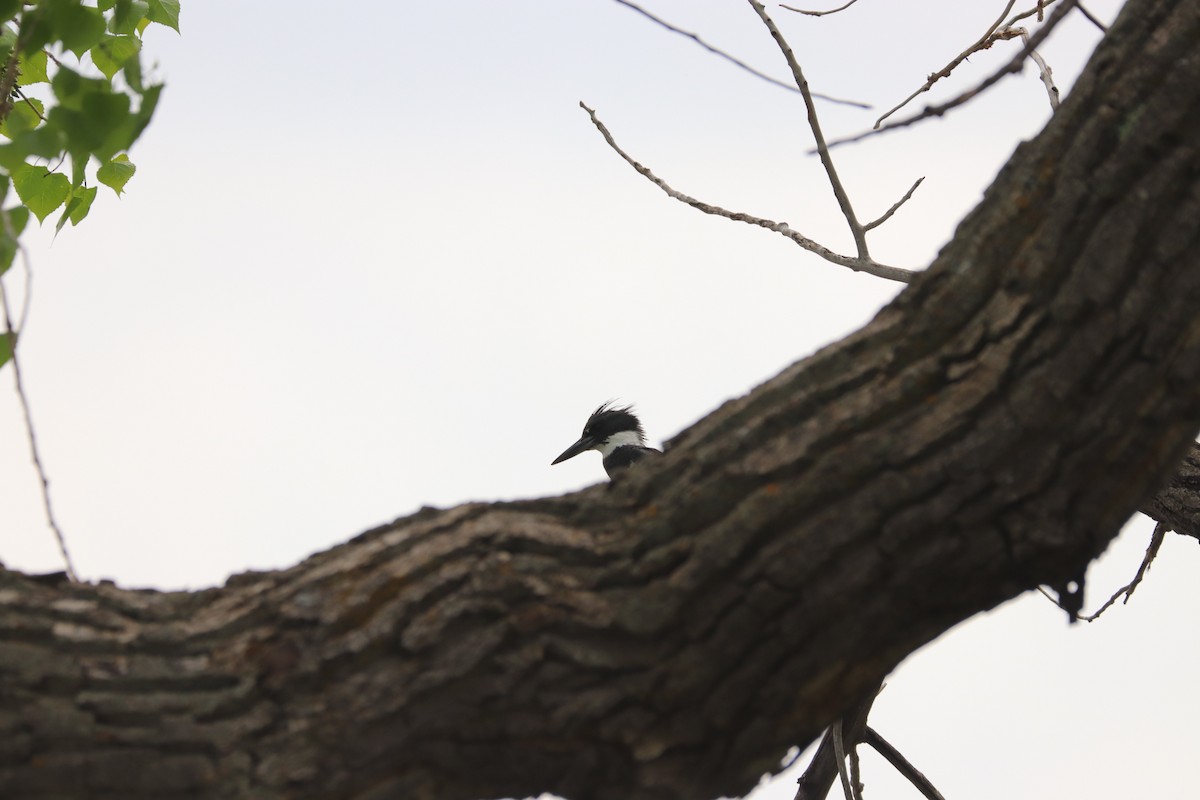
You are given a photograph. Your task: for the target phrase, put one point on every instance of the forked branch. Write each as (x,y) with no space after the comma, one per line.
(1013,65)
(866,265)
(732,59)
(856,228)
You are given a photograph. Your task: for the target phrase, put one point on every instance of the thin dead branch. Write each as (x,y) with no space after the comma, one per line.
(895,206)
(1092,18)
(912,774)
(1156,540)
(732,59)
(819,13)
(10,332)
(1014,65)
(817,779)
(839,749)
(856,228)
(984,42)
(1043,70)
(866,265)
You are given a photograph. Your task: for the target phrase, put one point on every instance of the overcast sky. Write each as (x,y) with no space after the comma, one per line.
(377,257)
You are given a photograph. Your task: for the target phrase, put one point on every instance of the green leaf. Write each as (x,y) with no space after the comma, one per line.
(111,54)
(77,26)
(116,173)
(5,347)
(33,67)
(133,74)
(18,217)
(41,190)
(84,198)
(102,125)
(127,15)
(8,8)
(70,88)
(78,171)
(77,208)
(165,12)
(22,117)
(105,5)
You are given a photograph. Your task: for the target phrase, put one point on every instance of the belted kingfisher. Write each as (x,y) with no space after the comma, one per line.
(616,433)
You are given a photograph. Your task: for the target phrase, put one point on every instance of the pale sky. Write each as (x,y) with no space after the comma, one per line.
(378,259)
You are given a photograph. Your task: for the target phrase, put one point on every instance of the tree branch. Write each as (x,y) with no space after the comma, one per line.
(731,59)
(895,206)
(856,228)
(670,635)
(987,40)
(10,334)
(1014,65)
(819,13)
(869,266)
(896,759)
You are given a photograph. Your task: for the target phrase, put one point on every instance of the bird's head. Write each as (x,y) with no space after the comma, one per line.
(608,428)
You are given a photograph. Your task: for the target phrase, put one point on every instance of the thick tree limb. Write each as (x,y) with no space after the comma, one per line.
(670,635)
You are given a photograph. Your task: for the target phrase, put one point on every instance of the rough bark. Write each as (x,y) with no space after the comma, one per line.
(670,635)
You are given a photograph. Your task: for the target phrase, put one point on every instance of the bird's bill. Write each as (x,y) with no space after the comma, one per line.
(584,443)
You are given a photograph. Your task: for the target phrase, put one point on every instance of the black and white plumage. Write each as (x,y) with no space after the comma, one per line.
(616,432)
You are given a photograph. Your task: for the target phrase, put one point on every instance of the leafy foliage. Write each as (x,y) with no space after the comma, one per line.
(83,61)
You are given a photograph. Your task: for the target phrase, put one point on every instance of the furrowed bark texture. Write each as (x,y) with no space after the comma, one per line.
(670,635)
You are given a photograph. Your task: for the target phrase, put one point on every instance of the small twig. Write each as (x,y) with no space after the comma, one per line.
(1043,70)
(28,102)
(1092,18)
(914,776)
(868,266)
(1014,65)
(843,199)
(895,206)
(1156,540)
(984,42)
(839,749)
(817,779)
(855,772)
(731,59)
(11,334)
(1028,13)
(819,13)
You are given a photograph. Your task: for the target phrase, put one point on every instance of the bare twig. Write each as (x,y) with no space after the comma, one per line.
(11,334)
(895,206)
(855,772)
(856,228)
(1014,65)
(817,779)
(819,13)
(1091,18)
(1040,7)
(839,749)
(731,59)
(1156,540)
(866,265)
(984,42)
(914,776)
(1043,70)
(28,102)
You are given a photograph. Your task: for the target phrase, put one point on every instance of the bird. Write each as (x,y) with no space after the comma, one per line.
(616,432)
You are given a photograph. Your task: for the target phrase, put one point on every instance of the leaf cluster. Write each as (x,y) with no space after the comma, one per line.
(73,99)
